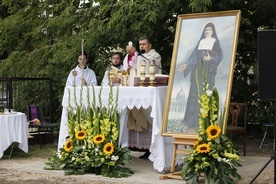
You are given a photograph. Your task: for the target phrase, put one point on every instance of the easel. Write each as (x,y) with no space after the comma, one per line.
(179,140)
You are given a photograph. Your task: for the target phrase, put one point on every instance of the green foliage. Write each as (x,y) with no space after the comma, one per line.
(213,154)
(93,144)
(200,5)
(42,38)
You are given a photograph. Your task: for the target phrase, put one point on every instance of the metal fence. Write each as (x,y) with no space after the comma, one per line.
(19,93)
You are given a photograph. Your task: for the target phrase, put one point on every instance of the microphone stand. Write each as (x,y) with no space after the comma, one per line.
(141,54)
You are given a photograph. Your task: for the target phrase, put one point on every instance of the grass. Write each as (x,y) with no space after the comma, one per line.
(34,152)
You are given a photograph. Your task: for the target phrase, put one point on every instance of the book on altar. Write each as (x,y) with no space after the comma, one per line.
(160,80)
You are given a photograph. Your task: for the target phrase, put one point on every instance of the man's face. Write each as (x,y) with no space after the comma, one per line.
(144,45)
(82,62)
(116,59)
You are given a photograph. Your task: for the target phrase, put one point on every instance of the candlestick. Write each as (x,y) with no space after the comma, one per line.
(152,73)
(152,67)
(124,77)
(142,72)
(142,77)
(142,69)
(152,77)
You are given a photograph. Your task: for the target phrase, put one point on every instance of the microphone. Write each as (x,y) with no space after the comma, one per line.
(142,52)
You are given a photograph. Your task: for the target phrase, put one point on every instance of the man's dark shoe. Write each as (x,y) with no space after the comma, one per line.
(146,155)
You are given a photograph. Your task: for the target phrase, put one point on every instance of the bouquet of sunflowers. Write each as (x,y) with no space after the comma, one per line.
(92,146)
(213,155)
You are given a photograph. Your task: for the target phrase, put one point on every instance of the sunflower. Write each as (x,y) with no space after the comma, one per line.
(203,148)
(68,145)
(108,148)
(98,139)
(213,131)
(80,135)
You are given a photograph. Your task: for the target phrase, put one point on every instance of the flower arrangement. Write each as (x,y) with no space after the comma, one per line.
(92,146)
(213,155)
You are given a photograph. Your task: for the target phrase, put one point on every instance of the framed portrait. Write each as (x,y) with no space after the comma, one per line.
(203,41)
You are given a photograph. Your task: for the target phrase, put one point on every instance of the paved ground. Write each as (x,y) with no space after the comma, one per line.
(143,172)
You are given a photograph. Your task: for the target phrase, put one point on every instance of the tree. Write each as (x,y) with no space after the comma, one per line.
(41,38)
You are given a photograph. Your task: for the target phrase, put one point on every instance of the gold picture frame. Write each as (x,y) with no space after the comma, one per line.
(218,48)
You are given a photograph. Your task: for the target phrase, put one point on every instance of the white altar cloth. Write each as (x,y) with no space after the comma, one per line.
(13,128)
(129,97)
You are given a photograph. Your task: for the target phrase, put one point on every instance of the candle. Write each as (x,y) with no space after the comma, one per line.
(152,69)
(143,66)
(142,77)
(152,77)
(142,69)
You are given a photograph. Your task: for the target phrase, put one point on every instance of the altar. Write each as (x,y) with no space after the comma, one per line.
(128,98)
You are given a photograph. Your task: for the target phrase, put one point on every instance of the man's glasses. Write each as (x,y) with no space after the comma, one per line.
(116,58)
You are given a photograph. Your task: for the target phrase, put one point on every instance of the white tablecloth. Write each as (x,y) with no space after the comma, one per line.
(161,147)
(13,128)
